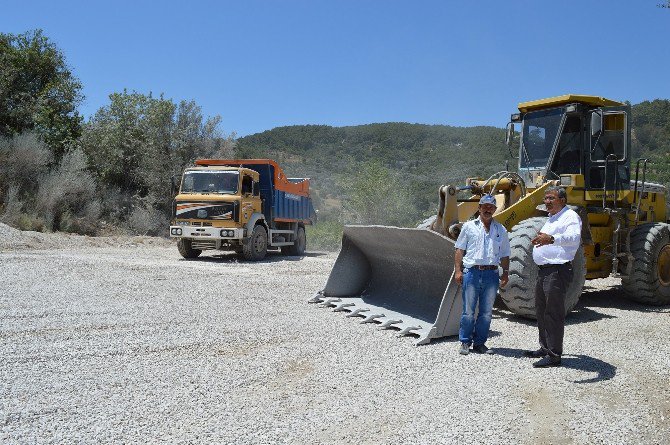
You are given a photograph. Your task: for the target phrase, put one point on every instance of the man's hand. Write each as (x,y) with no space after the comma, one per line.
(459,277)
(504,279)
(542,239)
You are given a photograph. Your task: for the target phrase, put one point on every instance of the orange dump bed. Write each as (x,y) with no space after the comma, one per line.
(281,182)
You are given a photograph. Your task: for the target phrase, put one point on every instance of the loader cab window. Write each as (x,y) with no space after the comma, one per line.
(539,135)
(612,140)
(568,153)
(606,147)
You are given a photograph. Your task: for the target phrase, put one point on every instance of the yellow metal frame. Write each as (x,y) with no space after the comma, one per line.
(565,99)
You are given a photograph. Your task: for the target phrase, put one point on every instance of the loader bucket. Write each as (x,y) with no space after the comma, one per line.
(400,278)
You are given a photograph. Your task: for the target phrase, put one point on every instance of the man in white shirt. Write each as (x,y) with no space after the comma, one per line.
(481,246)
(554,249)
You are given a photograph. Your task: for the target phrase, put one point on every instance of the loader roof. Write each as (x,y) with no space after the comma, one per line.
(565,99)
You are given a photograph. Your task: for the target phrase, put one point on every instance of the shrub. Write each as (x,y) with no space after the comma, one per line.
(326,235)
(67,192)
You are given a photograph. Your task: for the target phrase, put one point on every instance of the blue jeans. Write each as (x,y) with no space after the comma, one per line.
(479,286)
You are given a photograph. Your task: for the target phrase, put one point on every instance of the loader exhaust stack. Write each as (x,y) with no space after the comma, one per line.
(397,277)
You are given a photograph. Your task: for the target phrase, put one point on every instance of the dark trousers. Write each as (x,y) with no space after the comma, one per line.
(552,282)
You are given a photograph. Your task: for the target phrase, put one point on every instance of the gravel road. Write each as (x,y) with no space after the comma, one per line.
(119,340)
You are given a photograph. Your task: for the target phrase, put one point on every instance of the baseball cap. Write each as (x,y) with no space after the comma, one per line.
(488,199)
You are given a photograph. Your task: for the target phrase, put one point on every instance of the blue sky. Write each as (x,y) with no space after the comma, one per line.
(263,64)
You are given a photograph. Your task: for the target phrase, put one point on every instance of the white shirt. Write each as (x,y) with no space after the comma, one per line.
(483,248)
(566,228)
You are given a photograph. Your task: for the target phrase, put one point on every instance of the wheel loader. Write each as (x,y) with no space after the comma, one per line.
(403,278)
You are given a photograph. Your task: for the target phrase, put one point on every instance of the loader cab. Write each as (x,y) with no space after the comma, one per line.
(570,134)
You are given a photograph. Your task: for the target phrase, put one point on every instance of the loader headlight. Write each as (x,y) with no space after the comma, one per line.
(227,233)
(175,231)
(566,180)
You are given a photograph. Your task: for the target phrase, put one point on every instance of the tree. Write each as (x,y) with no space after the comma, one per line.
(373,194)
(38,92)
(137,142)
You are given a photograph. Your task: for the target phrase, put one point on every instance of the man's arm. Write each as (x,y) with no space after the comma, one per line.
(573,233)
(458,266)
(504,278)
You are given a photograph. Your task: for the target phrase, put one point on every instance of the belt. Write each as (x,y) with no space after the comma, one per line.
(491,267)
(547,266)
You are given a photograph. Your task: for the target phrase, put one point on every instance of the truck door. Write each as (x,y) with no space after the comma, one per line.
(609,147)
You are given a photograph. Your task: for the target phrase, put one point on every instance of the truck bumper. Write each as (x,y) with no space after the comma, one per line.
(206,233)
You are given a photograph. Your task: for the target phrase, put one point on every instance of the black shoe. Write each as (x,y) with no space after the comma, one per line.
(482,349)
(547,362)
(534,354)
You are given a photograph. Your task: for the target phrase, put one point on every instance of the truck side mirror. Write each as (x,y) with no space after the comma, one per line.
(509,136)
(596,123)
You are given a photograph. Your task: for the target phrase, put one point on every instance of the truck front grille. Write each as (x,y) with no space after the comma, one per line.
(203,244)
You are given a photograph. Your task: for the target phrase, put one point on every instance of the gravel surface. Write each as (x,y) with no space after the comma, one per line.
(120,340)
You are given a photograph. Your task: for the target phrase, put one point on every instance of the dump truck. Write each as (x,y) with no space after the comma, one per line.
(403,278)
(245,205)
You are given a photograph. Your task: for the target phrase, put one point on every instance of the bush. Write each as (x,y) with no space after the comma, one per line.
(23,160)
(146,220)
(67,194)
(326,235)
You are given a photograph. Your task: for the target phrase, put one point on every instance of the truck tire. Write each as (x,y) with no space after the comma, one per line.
(519,294)
(649,280)
(299,245)
(184,247)
(255,247)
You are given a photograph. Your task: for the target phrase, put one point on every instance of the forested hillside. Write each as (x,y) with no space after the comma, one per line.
(422,156)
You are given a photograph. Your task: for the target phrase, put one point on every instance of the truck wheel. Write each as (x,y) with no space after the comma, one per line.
(519,294)
(649,280)
(184,247)
(255,247)
(299,245)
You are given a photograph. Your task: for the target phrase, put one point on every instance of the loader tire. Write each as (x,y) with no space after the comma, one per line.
(649,279)
(299,244)
(255,247)
(184,247)
(519,294)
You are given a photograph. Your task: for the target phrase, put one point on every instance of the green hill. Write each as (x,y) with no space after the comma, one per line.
(425,156)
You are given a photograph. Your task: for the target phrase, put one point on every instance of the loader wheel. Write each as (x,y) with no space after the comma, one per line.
(519,294)
(300,243)
(184,247)
(649,279)
(255,247)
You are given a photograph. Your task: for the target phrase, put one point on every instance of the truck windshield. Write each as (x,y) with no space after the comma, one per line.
(200,181)
(539,134)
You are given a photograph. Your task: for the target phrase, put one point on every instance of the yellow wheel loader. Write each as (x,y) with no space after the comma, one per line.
(403,278)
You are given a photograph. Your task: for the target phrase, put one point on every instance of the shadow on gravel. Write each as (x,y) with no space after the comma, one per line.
(586,310)
(272,257)
(579,362)
(613,298)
